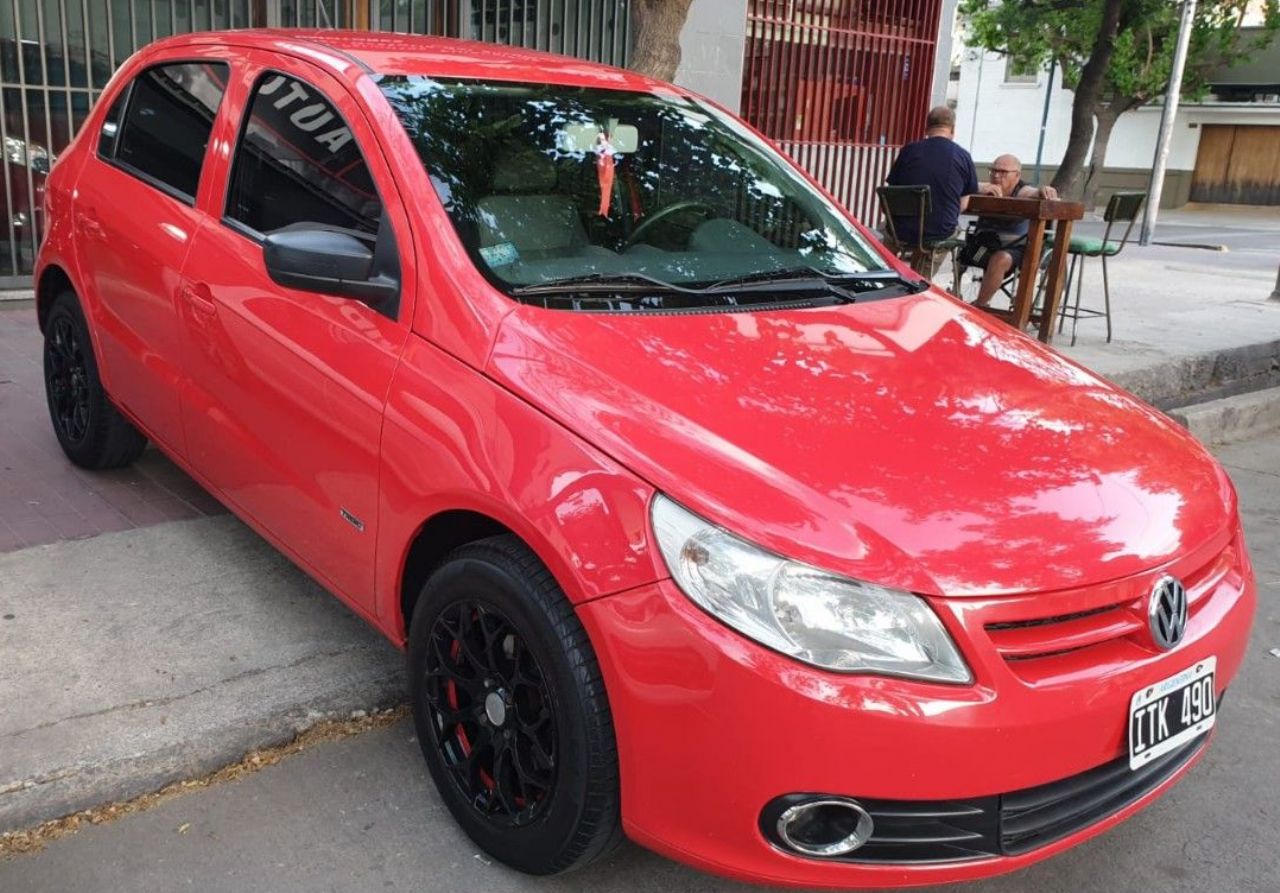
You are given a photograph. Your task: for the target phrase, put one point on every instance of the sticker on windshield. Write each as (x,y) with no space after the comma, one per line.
(500,255)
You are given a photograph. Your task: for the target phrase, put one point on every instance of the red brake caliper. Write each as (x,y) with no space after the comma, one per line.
(451,693)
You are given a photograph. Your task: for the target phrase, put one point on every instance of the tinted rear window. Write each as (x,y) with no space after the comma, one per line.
(168,121)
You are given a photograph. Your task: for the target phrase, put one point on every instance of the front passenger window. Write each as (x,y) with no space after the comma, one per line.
(298,162)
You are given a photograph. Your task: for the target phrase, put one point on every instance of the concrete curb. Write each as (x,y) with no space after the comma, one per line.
(1232,418)
(1206,376)
(16,295)
(147,656)
(1204,246)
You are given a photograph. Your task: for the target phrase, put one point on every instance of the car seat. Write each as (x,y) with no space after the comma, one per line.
(525,211)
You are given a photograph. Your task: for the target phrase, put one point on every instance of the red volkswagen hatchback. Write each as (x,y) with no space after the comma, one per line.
(700,518)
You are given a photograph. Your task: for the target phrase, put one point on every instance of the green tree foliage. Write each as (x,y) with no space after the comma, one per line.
(1116,55)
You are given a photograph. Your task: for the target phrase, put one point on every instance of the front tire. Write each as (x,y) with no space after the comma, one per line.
(511,711)
(90,430)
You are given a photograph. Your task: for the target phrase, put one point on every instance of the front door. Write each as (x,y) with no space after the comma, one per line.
(285,393)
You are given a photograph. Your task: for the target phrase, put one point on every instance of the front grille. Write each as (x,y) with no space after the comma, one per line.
(1034,817)
(919,831)
(1119,612)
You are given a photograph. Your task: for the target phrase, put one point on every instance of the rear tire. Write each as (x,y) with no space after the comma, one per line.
(90,430)
(511,711)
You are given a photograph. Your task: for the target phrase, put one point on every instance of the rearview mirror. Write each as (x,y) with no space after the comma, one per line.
(328,262)
(583,138)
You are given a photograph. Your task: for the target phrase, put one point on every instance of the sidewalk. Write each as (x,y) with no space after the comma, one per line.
(145,655)
(1185,320)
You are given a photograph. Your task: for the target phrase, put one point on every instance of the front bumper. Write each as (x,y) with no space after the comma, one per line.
(712,727)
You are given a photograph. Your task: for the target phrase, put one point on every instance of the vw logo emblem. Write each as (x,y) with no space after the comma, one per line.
(1167,612)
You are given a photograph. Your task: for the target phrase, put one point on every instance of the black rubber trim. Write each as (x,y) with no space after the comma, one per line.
(908,831)
(1039,816)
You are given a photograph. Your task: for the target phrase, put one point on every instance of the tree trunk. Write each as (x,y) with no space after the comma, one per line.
(656,26)
(1088,90)
(1106,121)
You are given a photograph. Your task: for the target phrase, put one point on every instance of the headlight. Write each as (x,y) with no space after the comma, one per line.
(831,622)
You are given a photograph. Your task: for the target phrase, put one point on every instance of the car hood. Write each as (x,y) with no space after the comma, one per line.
(912,442)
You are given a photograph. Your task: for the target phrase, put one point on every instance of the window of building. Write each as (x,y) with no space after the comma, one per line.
(167,122)
(298,162)
(1017,71)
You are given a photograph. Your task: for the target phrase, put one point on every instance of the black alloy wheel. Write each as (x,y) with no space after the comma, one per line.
(511,711)
(90,430)
(491,712)
(68,379)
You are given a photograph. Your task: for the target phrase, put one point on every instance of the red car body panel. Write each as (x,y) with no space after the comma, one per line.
(843,438)
(454,442)
(1027,487)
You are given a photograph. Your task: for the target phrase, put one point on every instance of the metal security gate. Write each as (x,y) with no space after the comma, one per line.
(841,85)
(56,56)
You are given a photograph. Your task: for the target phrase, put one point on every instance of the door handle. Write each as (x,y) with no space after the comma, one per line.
(89,225)
(200,299)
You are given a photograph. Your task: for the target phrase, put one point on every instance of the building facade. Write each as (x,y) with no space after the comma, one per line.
(1223,149)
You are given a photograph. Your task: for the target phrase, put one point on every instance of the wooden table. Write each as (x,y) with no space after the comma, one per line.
(1038,211)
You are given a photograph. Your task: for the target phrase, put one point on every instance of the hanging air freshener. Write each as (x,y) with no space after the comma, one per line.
(606,161)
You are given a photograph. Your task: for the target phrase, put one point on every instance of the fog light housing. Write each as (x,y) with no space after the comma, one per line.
(824,827)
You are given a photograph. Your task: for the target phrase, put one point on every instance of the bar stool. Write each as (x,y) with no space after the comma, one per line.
(1122,208)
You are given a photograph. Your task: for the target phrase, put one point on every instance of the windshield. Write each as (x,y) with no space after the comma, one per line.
(551,185)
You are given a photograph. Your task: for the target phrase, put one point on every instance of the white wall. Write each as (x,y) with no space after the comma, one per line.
(946,45)
(711,50)
(993,117)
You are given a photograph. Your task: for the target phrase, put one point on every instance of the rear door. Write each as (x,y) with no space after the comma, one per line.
(135,215)
(286,387)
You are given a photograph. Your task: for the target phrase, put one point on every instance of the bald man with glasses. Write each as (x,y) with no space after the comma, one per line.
(1006,177)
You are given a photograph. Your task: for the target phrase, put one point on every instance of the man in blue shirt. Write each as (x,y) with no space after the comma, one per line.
(947,169)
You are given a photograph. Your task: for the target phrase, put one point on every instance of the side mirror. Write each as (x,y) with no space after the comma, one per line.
(328,262)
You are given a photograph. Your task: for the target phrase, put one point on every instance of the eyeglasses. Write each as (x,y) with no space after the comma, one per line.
(999,170)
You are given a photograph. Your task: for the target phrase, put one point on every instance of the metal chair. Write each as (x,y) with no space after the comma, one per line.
(915,203)
(967,290)
(1123,207)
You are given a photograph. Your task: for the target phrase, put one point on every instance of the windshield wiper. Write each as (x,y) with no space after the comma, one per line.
(801,276)
(875,285)
(883,284)
(604,282)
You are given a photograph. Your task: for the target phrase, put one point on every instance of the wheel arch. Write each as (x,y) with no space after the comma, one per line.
(439,535)
(53,281)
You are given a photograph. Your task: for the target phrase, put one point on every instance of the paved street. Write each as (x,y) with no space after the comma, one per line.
(360,814)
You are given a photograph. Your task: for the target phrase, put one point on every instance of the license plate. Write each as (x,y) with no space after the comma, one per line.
(1169,713)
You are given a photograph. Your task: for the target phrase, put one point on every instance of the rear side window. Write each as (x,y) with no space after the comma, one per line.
(298,162)
(167,123)
(111,125)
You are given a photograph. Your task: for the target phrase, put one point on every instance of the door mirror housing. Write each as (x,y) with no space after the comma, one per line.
(331,262)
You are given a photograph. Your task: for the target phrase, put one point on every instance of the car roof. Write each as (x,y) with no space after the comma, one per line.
(380,52)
